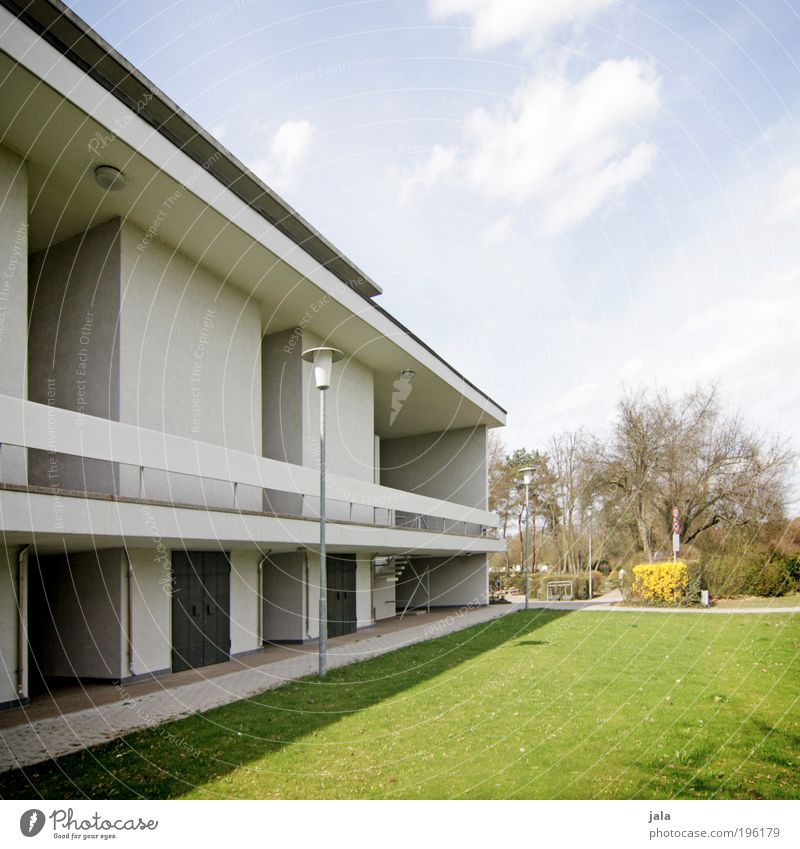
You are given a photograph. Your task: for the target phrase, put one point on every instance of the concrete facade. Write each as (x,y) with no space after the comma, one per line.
(150,629)
(74,365)
(12,689)
(154,400)
(13,296)
(450,465)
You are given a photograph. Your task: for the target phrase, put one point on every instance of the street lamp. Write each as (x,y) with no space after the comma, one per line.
(322,359)
(590,553)
(527,479)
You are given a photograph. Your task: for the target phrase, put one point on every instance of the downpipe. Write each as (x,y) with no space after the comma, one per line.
(22,642)
(261,598)
(129,605)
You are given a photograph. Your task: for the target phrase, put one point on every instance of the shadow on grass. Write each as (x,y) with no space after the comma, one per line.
(704,771)
(176,757)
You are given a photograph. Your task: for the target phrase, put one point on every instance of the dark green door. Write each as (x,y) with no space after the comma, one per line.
(200,609)
(341,570)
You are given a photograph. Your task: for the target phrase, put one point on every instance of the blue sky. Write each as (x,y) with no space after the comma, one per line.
(563,198)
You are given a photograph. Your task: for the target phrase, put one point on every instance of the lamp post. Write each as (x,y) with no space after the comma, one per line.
(527,479)
(590,554)
(322,359)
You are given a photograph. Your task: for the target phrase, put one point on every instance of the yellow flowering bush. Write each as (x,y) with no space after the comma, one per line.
(661,582)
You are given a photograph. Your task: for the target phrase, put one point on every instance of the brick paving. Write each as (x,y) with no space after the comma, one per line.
(136,706)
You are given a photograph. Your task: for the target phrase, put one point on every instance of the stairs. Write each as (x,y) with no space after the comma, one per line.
(391,568)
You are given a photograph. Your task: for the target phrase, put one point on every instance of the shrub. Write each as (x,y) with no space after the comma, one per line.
(728,575)
(752,573)
(603,566)
(793,567)
(661,582)
(772,579)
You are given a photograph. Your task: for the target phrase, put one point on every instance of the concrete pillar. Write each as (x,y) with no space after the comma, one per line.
(10,695)
(13,298)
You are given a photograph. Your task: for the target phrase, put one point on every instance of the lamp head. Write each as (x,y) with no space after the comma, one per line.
(527,475)
(322,360)
(109,178)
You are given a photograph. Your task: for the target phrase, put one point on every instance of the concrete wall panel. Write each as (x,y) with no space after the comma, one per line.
(449,465)
(284,597)
(13,298)
(9,625)
(73,355)
(244,601)
(76,614)
(151,610)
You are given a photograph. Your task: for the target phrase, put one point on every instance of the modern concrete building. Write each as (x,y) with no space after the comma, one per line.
(159,483)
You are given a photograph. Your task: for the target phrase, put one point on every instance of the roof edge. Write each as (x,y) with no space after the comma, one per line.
(71,36)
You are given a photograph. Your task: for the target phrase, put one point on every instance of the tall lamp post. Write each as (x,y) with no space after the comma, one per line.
(590,554)
(527,480)
(322,359)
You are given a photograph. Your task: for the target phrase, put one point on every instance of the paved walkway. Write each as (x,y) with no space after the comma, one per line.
(612,601)
(28,739)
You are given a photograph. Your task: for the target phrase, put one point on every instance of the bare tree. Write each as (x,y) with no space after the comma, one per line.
(635,457)
(687,453)
(718,472)
(566,455)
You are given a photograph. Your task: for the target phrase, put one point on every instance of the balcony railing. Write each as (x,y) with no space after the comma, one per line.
(93,457)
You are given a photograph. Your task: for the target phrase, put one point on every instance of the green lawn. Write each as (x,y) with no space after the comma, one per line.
(540,705)
(758,601)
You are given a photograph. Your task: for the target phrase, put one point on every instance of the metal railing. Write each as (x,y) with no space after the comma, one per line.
(103,458)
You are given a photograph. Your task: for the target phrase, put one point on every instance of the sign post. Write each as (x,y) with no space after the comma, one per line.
(676,532)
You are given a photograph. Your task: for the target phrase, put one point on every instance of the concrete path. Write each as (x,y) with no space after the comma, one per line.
(31,742)
(612,602)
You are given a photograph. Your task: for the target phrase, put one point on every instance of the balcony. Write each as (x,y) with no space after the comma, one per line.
(138,466)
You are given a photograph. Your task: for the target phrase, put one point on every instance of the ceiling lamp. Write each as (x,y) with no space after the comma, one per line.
(109,178)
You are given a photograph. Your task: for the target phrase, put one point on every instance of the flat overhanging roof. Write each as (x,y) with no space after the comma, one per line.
(77,42)
(72,37)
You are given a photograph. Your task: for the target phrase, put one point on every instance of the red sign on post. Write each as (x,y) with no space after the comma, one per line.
(676,520)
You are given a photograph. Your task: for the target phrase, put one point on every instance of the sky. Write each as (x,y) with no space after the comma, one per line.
(566,199)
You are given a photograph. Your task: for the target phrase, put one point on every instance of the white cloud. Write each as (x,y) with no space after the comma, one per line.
(497,22)
(441,165)
(564,147)
(787,204)
(288,152)
(497,232)
(582,198)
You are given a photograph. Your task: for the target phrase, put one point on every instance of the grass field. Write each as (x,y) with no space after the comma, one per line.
(757,601)
(540,705)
